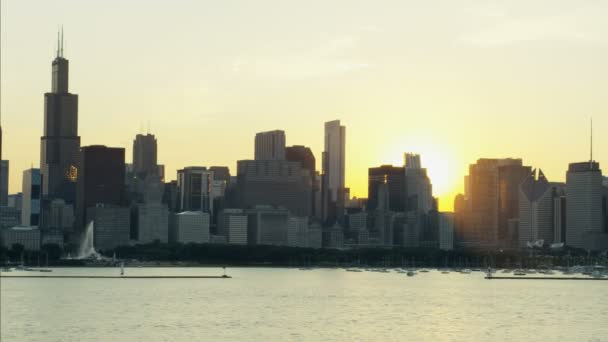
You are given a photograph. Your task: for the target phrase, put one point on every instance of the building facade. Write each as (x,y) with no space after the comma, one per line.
(101,177)
(112,226)
(333,181)
(194,186)
(274,183)
(585,207)
(60,143)
(232,223)
(31,200)
(270,145)
(190,227)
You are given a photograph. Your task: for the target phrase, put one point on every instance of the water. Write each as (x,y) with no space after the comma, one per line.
(86,250)
(267,304)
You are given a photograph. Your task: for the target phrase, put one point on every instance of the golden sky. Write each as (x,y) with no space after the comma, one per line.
(451,80)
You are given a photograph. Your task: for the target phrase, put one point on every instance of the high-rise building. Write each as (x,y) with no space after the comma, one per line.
(270,145)
(306,158)
(446,231)
(150,217)
(536,211)
(32,192)
(194,186)
(4,182)
(586,207)
(333,184)
(221,173)
(394,178)
(274,183)
(418,186)
(60,143)
(59,216)
(145,155)
(491,200)
(101,175)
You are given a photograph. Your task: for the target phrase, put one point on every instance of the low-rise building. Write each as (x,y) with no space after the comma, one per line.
(28,237)
(190,227)
(232,223)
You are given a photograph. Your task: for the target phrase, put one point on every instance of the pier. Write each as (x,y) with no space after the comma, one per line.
(542,278)
(115,277)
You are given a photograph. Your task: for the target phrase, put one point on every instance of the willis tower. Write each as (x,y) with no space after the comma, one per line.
(60,142)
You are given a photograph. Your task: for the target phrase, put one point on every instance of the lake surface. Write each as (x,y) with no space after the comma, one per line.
(278,304)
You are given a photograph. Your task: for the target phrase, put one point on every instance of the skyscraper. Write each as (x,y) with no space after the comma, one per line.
(194,185)
(306,158)
(60,142)
(3,176)
(100,180)
(491,201)
(145,155)
(418,185)
(4,182)
(394,178)
(536,210)
(270,145)
(585,207)
(30,205)
(333,184)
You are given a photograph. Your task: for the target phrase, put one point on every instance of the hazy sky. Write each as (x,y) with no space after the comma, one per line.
(452,80)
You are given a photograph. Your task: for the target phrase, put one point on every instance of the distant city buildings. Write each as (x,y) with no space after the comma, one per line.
(280,198)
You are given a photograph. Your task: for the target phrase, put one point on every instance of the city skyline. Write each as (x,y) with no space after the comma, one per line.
(207,108)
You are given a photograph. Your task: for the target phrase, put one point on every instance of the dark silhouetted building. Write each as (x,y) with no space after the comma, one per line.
(394,178)
(101,175)
(306,158)
(145,155)
(60,143)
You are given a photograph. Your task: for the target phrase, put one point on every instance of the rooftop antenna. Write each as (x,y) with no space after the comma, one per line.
(591,142)
(61,40)
(57,43)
